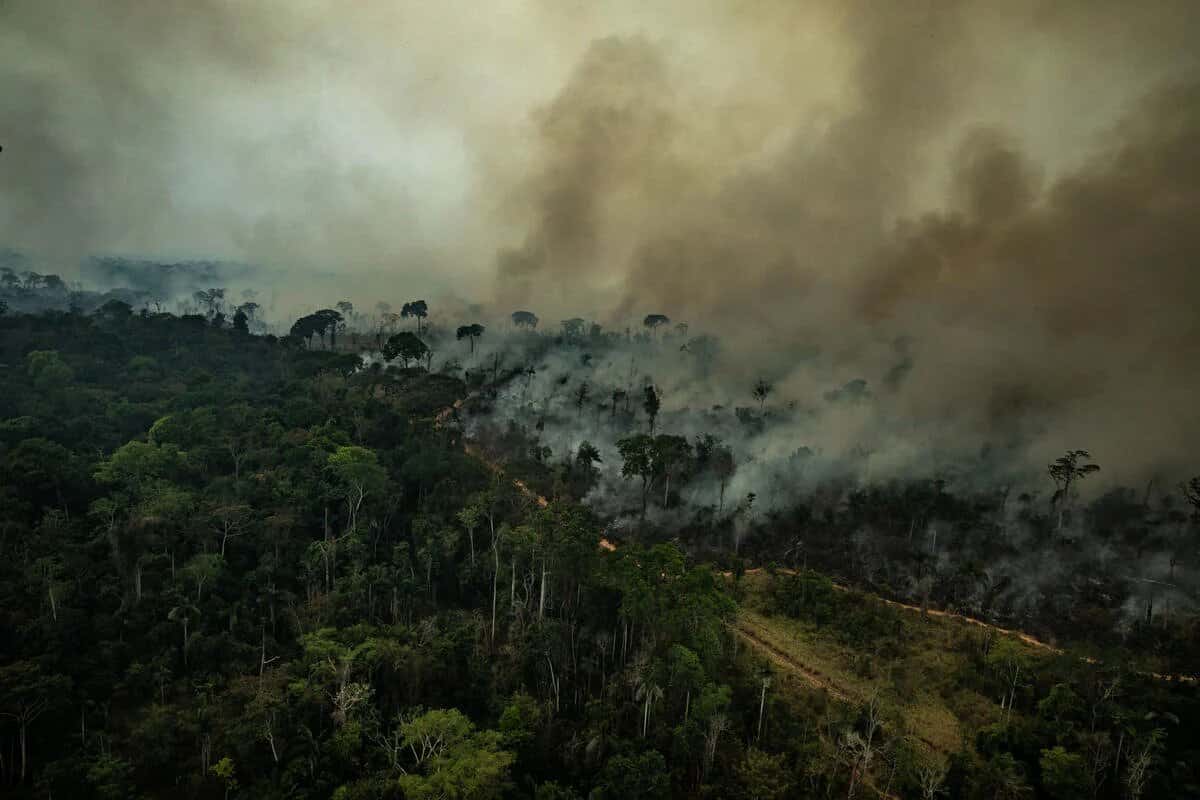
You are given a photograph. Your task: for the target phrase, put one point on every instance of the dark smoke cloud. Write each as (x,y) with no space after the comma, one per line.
(987,211)
(606,130)
(1043,295)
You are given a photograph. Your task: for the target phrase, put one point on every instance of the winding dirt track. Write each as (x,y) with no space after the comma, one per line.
(753,634)
(774,654)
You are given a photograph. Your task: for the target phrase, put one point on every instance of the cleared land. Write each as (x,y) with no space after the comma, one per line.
(916,671)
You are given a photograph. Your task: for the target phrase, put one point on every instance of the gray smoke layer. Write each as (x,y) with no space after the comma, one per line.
(984,211)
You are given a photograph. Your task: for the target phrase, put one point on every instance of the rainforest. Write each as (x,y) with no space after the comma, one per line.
(537,400)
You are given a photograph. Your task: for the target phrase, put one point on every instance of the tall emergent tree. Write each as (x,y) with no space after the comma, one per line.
(640,456)
(651,402)
(524,319)
(762,389)
(653,322)
(26,692)
(417,309)
(451,760)
(317,324)
(1066,471)
(674,458)
(470,332)
(404,346)
(715,457)
(356,474)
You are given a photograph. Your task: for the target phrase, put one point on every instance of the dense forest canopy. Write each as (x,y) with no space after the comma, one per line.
(498,561)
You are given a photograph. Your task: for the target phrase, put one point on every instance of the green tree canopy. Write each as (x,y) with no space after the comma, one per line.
(451,759)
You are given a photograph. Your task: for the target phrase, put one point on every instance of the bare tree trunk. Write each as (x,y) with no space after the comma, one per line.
(495,578)
(762,704)
(271,740)
(325,551)
(554,685)
(542,593)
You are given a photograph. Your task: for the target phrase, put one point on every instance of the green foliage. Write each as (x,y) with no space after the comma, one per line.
(762,776)
(453,760)
(136,466)
(230,563)
(520,721)
(404,346)
(1064,774)
(354,466)
(805,595)
(640,776)
(553,791)
(48,371)
(319,323)
(1060,708)
(638,455)
(111,778)
(224,771)
(1001,778)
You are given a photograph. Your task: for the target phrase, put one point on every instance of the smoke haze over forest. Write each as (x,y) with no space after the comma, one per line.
(560,399)
(986,211)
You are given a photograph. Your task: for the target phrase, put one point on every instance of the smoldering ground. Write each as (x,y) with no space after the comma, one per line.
(840,477)
(986,212)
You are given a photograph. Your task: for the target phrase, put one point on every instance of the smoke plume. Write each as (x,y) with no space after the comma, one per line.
(985,211)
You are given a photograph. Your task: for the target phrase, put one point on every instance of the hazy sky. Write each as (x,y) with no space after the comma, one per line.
(1013,187)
